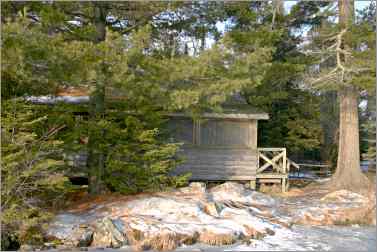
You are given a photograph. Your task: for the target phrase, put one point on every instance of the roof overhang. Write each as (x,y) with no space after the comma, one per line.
(244,116)
(49,99)
(85,99)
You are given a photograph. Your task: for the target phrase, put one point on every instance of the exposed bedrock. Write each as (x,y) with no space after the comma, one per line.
(221,215)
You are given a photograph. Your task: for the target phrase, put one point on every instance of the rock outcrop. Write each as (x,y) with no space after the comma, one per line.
(336,208)
(221,215)
(107,234)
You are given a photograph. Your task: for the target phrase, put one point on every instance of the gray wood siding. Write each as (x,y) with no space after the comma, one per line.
(253,134)
(216,149)
(228,133)
(181,130)
(214,132)
(218,163)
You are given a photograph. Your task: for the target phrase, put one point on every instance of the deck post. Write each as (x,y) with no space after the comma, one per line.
(283,184)
(253,184)
(287,185)
(284,160)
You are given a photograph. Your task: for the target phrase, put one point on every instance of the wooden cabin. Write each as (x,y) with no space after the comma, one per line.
(223,147)
(218,146)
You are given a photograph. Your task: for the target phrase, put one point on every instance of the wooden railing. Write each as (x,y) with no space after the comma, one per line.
(275,158)
(294,164)
(320,170)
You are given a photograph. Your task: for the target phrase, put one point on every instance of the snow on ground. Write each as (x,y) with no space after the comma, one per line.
(226,214)
(304,238)
(301,238)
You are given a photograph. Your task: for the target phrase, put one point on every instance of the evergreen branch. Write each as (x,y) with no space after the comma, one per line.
(338,51)
(53,131)
(359,70)
(340,69)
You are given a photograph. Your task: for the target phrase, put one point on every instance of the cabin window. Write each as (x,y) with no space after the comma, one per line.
(225,133)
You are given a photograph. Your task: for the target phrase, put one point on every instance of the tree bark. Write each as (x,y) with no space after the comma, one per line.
(348,174)
(278,9)
(96,155)
(346,12)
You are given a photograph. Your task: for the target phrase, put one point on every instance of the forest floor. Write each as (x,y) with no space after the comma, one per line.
(225,217)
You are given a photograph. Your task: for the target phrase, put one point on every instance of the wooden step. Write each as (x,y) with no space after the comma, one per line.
(270,180)
(271,175)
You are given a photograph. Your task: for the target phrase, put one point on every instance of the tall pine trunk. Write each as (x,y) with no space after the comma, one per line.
(96,155)
(278,10)
(348,174)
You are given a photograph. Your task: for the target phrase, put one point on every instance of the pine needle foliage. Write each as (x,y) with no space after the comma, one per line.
(33,183)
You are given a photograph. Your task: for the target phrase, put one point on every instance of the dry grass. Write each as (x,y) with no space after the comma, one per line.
(271,189)
(252,233)
(191,239)
(359,215)
(134,236)
(166,240)
(214,239)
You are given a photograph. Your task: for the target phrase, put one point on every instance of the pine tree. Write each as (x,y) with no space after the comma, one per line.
(278,92)
(349,48)
(33,180)
(97,53)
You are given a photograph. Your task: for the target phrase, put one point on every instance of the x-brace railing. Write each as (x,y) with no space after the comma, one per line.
(275,157)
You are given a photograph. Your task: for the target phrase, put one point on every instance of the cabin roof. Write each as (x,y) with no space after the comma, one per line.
(262,116)
(235,108)
(231,111)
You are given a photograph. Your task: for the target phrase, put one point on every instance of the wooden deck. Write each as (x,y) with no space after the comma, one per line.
(273,167)
(217,163)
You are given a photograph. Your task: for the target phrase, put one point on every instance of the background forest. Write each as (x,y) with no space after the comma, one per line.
(161,57)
